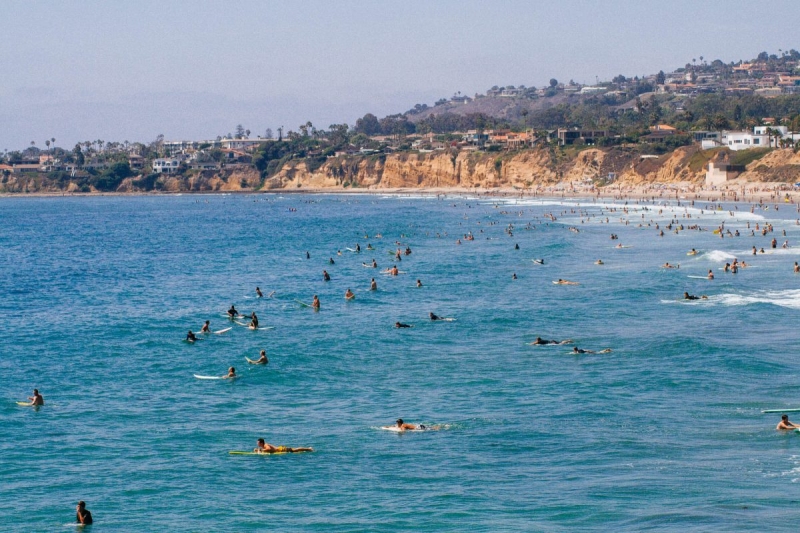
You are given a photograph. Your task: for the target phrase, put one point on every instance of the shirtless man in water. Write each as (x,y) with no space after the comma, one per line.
(205,328)
(348,295)
(579,350)
(261,360)
(263,447)
(36,399)
(785,424)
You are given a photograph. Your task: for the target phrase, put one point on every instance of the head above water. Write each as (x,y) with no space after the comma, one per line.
(399,422)
(785,418)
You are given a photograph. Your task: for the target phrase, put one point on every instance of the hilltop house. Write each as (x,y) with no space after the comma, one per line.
(569,136)
(166,165)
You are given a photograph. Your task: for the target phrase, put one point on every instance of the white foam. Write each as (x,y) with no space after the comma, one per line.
(789,298)
(718,255)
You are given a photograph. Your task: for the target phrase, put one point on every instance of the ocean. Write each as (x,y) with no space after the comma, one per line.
(664,433)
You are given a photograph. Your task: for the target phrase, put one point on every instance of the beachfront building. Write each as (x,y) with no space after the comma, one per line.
(166,165)
(569,136)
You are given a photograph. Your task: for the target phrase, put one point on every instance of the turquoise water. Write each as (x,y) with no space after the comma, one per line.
(664,433)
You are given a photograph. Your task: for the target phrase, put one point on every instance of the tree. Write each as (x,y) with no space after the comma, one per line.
(368,125)
(553,83)
(268,133)
(79,159)
(247,133)
(661,78)
(47,142)
(239,131)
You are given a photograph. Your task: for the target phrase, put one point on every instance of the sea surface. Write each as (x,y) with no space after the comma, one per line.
(665,433)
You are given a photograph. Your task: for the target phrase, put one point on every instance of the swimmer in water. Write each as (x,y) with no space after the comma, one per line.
(83,516)
(434,317)
(419,283)
(331,261)
(599,262)
(263,447)
(258,293)
(348,295)
(710,274)
(373,285)
(566,282)
(513,275)
(693,252)
(325,275)
(206,328)
(262,360)
(315,303)
(784,424)
(191,336)
(401,325)
(796,268)
(231,374)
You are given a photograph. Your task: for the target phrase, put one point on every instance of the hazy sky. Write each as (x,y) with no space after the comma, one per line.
(195,69)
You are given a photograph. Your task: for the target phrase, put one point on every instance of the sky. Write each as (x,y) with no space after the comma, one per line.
(193,70)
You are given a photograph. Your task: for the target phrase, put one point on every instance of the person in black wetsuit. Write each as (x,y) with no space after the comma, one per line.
(83,515)
(434,317)
(401,325)
(232,312)
(191,336)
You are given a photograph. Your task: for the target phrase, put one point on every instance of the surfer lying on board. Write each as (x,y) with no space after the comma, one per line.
(579,350)
(263,447)
(401,325)
(403,426)
(566,282)
(785,424)
(205,328)
(190,337)
(667,265)
(541,341)
(261,360)
(434,317)
(687,296)
(232,312)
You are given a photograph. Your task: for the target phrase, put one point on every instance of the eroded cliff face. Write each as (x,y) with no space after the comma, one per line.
(539,167)
(524,169)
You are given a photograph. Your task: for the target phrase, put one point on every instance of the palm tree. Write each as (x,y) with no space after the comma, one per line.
(53,140)
(47,142)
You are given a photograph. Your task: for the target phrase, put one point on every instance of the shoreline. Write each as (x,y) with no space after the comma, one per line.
(757,192)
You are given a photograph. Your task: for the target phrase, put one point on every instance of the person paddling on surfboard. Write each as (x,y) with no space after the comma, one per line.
(541,341)
(264,447)
(434,317)
(402,426)
(401,325)
(36,399)
(205,328)
(785,424)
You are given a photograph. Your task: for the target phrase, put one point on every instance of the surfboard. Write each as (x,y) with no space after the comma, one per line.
(398,430)
(303,303)
(796,410)
(26,404)
(444,319)
(350,249)
(198,376)
(220,332)
(235,452)
(241,323)
(698,277)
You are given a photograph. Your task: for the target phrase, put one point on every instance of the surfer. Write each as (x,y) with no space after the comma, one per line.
(401,325)
(308,255)
(541,341)
(258,293)
(419,283)
(264,447)
(358,248)
(566,282)
(580,350)
(190,337)
(205,328)
(253,321)
(785,424)
(331,261)
(349,295)
(231,374)
(83,515)
(373,285)
(325,275)
(516,246)
(687,296)
(232,312)
(667,265)
(261,360)
(599,262)
(315,303)
(796,268)
(710,274)
(693,252)
(369,246)
(513,275)
(36,399)
(434,317)
(403,426)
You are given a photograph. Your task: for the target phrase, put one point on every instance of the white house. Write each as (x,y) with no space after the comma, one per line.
(166,165)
